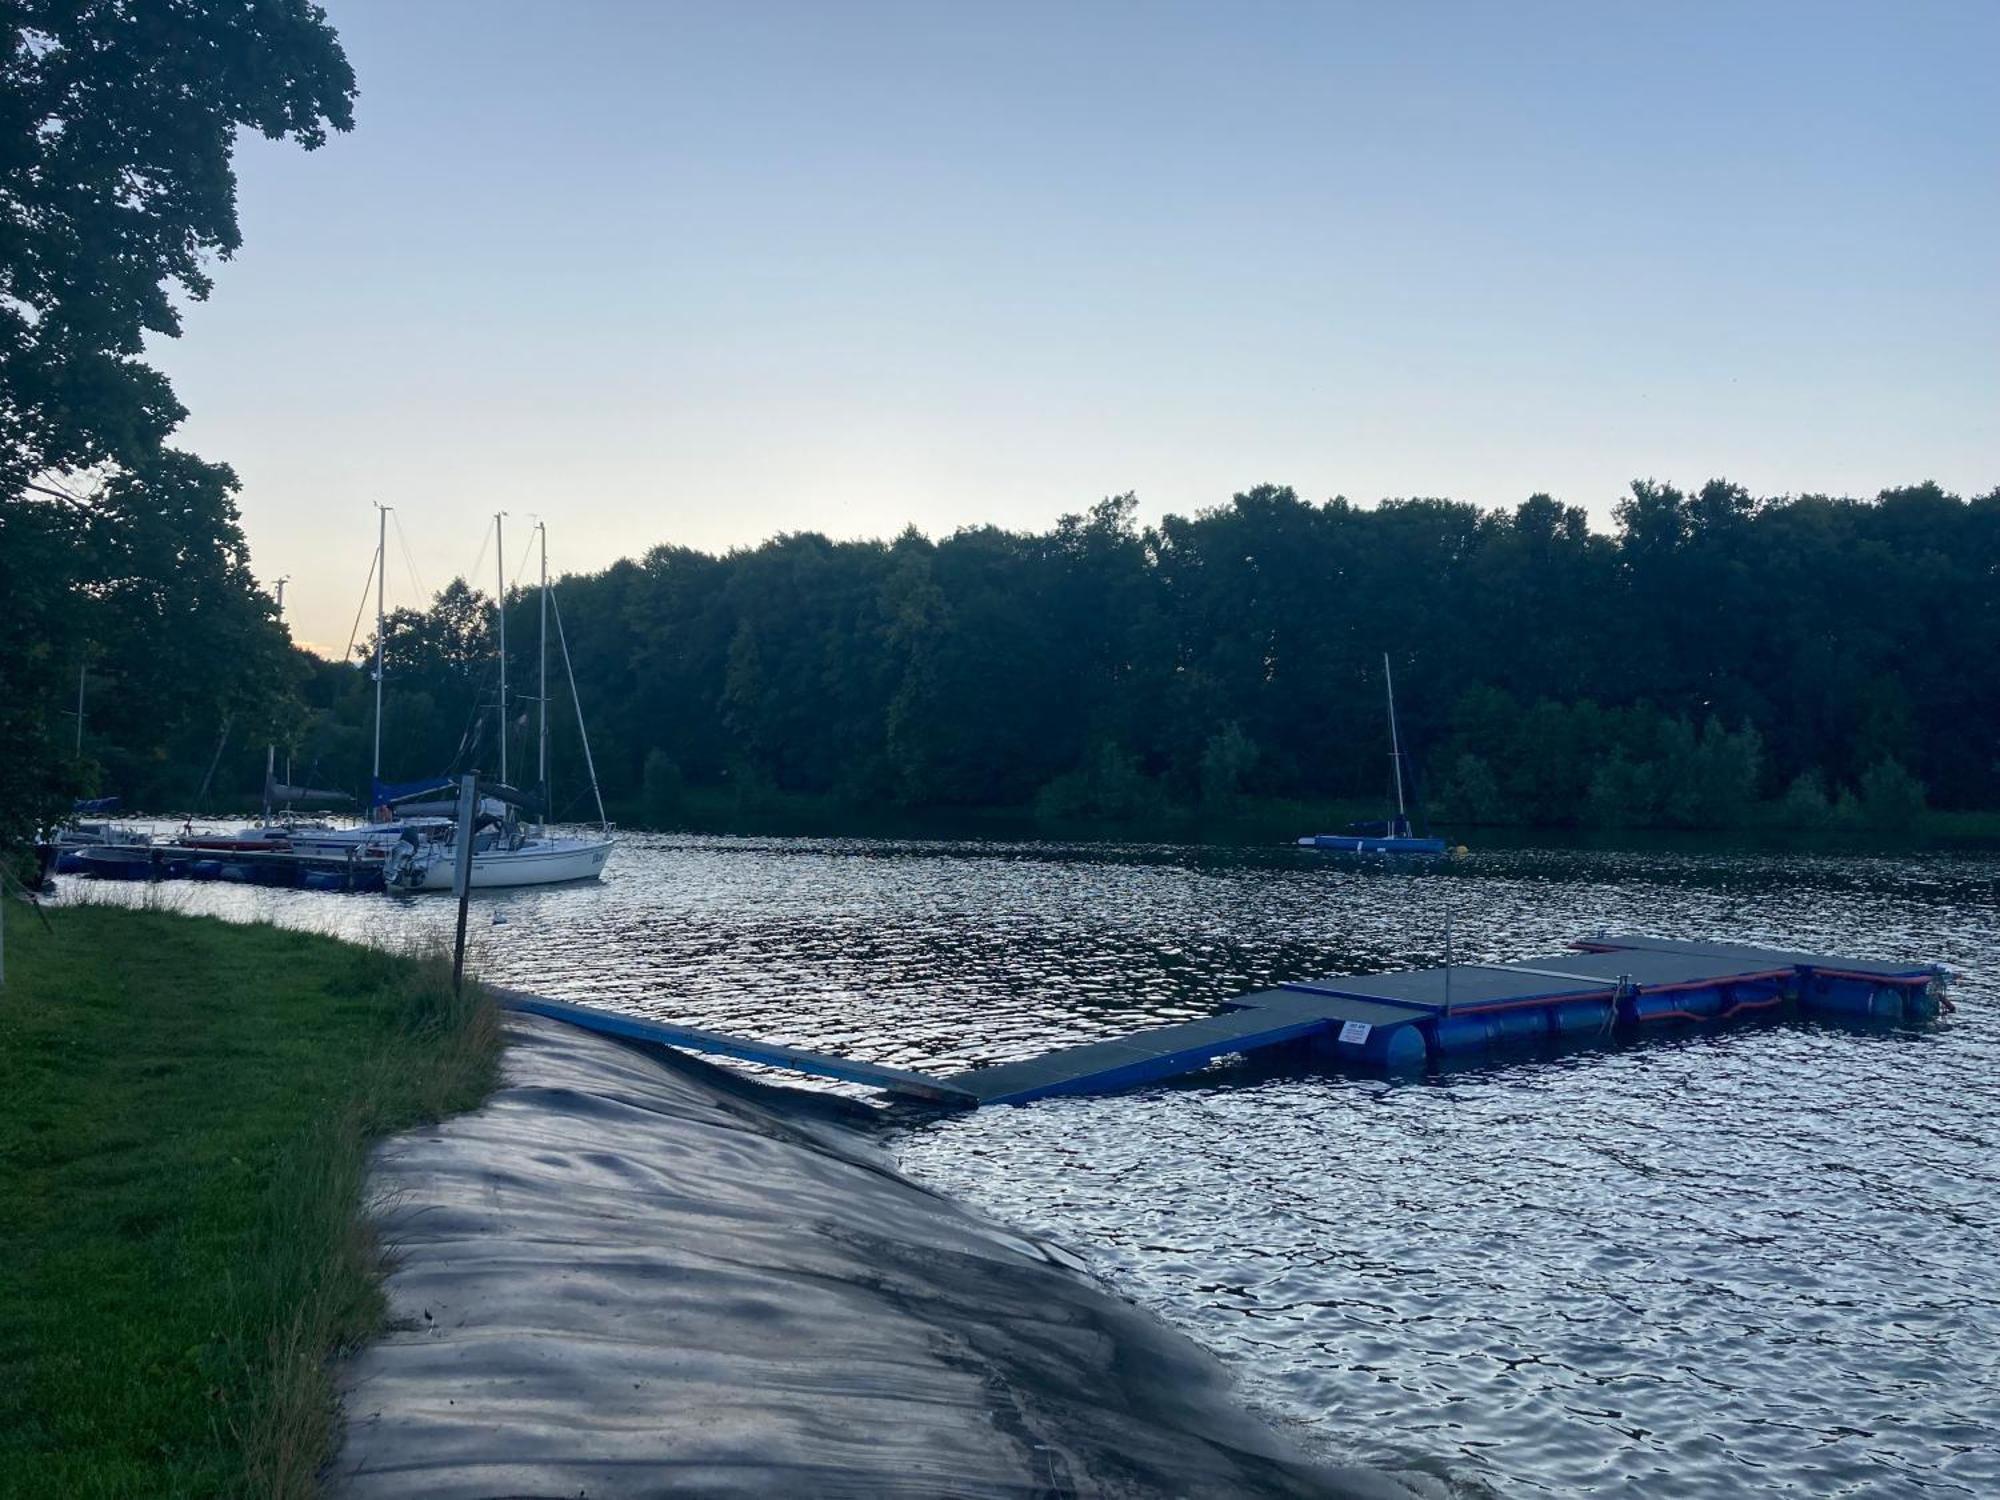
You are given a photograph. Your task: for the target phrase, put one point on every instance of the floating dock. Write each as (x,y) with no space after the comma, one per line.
(352,870)
(1606,985)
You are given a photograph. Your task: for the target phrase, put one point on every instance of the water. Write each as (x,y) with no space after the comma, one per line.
(1759,1261)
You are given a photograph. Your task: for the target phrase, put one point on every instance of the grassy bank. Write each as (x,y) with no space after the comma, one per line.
(188,1107)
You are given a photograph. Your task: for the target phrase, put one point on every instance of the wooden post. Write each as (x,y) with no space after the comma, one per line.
(461,873)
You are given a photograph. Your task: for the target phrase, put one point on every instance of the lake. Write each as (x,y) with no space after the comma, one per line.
(1759,1260)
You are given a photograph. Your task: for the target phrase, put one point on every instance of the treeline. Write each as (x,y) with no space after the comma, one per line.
(1716,660)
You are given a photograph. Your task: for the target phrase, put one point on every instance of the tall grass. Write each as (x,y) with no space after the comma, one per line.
(316,1251)
(184,1287)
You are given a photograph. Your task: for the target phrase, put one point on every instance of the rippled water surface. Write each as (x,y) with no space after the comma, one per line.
(1757,1261)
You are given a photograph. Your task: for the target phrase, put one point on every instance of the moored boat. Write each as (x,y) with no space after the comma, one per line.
(506,852)
(1392,835)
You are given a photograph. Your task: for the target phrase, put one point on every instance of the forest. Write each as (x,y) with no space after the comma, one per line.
(1716,661)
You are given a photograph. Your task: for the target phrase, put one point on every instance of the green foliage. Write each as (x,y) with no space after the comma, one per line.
(120,123)
(1805,804)
(117,553)
(1725,775)
(1226,763)
(1716,647)
(1470,793)
(1110,788)
(1623,794)
(190,1108)
(1891,797)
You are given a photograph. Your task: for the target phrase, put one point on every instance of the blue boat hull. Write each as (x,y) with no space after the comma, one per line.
(1344,843)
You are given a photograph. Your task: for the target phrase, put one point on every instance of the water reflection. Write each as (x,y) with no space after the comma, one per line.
(1755,1261)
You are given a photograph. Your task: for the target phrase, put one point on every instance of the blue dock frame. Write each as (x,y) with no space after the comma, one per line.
(1401,1020)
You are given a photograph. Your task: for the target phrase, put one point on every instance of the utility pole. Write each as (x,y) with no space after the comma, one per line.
(461,872)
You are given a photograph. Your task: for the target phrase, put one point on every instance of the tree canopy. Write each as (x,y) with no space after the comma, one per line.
(1713,652)
(119,555)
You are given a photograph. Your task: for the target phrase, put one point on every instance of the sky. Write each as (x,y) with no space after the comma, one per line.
(701,273)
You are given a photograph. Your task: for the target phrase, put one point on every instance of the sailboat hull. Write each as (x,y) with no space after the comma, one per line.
(551,864)
(1341,843)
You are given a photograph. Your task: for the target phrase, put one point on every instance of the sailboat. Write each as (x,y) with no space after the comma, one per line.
(1392,835)
(506,852)
(280,832)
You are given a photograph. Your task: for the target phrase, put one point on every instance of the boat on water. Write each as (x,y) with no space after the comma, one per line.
(505,851)
(425,859)
(410,843)
(87,827)
(1394,835)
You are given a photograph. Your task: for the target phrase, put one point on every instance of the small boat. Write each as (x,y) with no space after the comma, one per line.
(1391,835)
(69,847)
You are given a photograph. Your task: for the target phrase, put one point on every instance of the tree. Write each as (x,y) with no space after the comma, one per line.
(1891,798)
(117,127)
(1226,761)
(1805,803)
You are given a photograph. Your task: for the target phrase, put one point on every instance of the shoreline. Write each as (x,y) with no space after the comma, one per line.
(631,1273)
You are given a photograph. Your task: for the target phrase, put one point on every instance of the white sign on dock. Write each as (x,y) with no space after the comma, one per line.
(1354,1031)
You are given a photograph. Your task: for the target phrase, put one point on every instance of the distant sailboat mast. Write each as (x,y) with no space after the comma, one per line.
(271,745)
(1395,749)
(542,699)
(381,561)
(500,610)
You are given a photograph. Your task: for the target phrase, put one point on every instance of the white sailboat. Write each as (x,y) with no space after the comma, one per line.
(506,852)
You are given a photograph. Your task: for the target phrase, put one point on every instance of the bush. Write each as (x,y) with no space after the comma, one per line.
(1726,771)
(1890,796)
(1623,794)
(1805,803)
(1470,794)
(1226,760)
(1108,788)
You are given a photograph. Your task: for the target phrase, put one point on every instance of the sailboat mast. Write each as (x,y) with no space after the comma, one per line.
(271,745)
(542,698)
(500,609)
(1395,745)
(82,673)
(381,567)
(582,734)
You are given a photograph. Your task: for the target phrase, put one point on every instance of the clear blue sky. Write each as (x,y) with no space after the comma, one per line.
(703,272)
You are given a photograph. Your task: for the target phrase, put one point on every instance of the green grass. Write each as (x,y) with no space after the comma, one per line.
(185,1111)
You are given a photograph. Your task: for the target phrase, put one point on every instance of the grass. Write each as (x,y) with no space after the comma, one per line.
(186,1108)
